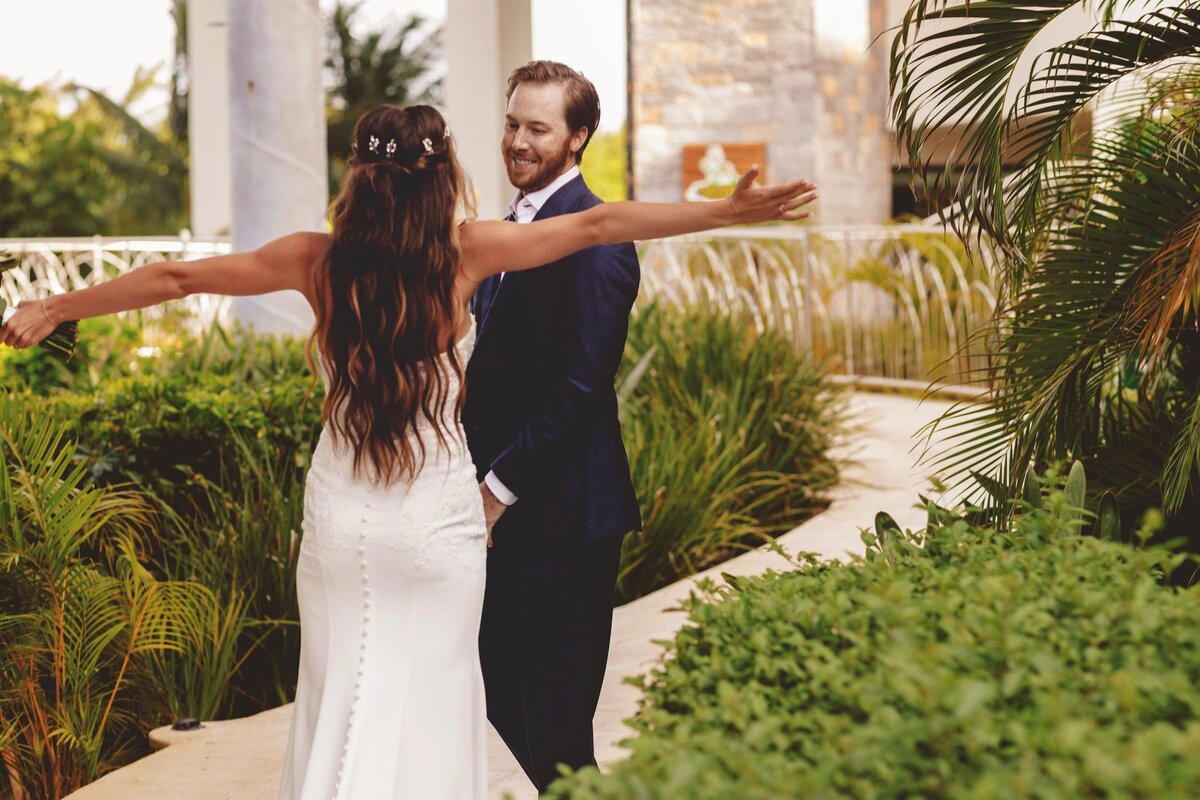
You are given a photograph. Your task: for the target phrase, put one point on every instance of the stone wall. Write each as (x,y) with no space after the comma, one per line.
(753,70)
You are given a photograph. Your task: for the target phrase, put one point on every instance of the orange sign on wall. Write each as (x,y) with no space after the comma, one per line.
(711,170)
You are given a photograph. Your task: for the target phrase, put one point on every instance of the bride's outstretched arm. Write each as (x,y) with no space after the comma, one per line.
(285,263)
(491,247)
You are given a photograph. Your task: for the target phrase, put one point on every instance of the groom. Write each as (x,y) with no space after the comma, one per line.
(541,421)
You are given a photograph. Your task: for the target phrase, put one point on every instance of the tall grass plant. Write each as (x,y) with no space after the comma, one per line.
(728,434)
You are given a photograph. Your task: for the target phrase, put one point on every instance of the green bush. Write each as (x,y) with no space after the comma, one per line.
(962,662)
(166,433)
(224,459)
(218,433)
(80,614)
(605,165)
(728,433)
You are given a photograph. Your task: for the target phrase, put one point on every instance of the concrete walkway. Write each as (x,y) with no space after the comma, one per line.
(241,759)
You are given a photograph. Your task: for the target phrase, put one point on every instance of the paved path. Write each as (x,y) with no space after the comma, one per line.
(241,759)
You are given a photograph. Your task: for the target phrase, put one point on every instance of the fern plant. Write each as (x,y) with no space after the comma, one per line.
(78,614)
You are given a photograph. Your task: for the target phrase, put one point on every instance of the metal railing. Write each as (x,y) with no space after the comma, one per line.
(38,267)
(898,301)
(895,302)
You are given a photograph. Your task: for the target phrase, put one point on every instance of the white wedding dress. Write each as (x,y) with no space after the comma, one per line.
(390,701)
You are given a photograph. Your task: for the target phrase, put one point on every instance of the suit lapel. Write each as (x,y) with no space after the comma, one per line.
(563,201)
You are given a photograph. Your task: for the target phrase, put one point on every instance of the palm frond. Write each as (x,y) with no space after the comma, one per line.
(964,74)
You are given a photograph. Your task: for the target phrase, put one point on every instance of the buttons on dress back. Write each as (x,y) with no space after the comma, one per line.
(360,672)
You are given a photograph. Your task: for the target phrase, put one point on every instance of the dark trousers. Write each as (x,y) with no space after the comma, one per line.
(543,644)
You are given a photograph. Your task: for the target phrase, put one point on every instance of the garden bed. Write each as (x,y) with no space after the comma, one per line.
(963,662)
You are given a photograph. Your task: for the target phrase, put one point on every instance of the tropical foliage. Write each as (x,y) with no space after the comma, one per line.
(48,181)
(97,170)
(728,434)
(959,662)
(80,613)
(381,66)
(899,303)
(1096,346)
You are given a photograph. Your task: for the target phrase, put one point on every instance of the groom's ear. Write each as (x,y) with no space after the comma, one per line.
(578,138)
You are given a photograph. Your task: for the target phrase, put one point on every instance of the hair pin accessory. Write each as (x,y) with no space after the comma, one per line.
(391,148)
(428,145)
(373,144)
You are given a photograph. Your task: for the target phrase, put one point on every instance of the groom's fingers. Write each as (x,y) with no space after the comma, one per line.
(747,180)
(793,189)
(800,200)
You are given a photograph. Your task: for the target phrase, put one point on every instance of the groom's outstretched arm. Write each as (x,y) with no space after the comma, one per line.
(597,290)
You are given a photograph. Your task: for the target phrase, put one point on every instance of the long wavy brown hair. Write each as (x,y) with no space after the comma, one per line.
(387,309)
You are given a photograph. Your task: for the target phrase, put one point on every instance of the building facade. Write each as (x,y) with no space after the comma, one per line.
(802,77)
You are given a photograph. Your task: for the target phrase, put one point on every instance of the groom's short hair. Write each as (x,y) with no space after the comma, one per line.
(582,103)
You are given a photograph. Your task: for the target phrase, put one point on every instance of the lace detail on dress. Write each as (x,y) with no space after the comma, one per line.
(437,513)
(448,507)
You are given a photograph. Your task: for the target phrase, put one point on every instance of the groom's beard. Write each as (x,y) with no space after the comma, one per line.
(545,172)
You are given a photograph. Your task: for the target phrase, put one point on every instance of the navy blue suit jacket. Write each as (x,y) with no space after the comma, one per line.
(541,409)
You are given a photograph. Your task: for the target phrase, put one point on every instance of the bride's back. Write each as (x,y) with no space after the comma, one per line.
(386,296)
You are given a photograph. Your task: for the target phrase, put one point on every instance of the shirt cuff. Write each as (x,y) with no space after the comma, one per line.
(499,489)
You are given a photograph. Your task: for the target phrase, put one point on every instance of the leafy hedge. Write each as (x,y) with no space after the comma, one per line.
(163,431)
(218,433)
(962,662)
(728,433)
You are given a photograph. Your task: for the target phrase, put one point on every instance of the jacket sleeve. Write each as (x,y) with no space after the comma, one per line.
(597,290)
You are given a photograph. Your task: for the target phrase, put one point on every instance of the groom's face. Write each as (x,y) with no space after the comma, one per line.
(537,145)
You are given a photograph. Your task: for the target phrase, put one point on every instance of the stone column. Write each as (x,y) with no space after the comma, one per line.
(854,150)
(485,41)
(277,129)
(208,117)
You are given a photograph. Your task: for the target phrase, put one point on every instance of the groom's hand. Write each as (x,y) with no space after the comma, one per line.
(492,508)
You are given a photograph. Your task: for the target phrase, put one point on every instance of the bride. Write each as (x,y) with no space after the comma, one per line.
(390,577)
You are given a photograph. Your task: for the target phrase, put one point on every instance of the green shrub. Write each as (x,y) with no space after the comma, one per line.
(166,433)
(80,614)
(224,458)
(728,433)
(217,431)
(962,662)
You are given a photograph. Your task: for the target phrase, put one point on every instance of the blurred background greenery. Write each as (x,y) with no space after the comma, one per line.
(76,162)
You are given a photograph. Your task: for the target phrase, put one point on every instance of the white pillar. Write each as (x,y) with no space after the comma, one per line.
(485,41)
(208,117)
(277,130)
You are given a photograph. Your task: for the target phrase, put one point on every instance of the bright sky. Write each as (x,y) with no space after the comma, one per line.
(100,44)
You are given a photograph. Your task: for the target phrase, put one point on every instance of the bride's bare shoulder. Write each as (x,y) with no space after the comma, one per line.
(300,249)
(315,243)
(477,238)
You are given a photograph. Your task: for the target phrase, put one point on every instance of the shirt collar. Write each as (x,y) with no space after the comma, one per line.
(538,199)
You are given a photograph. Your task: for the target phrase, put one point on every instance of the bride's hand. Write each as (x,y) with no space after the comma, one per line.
(27,325)
(770,203)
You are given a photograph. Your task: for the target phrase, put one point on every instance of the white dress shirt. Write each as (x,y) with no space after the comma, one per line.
(524,208)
